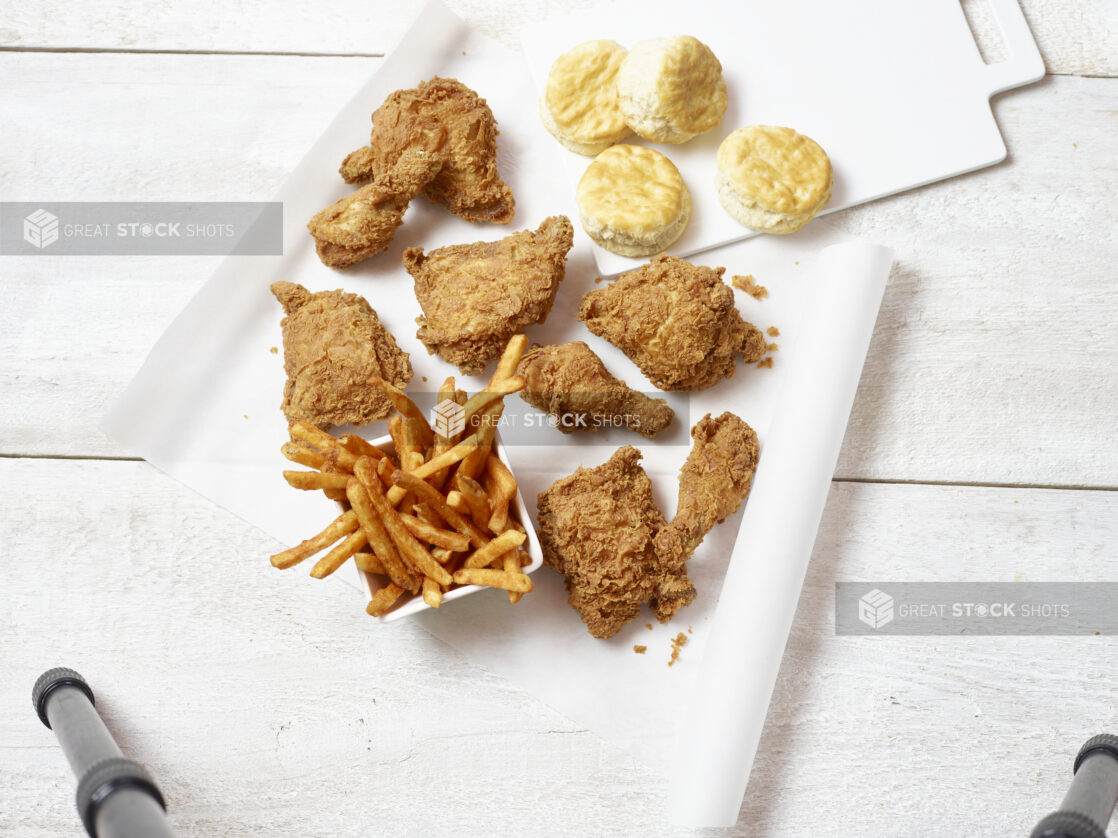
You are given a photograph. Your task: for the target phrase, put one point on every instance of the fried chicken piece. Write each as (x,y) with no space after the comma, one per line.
(476,296)
(676,321)
(468,185)
(713,482)
(596,527)
(364,222)
(570,382)
(333,347)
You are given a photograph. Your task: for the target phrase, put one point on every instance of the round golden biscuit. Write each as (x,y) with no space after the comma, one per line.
(579,102)
(773,179)
(633,201)
(671,89)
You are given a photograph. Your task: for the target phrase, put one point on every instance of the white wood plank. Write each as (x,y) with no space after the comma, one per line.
(993,354)
(1072,35)
(267,703)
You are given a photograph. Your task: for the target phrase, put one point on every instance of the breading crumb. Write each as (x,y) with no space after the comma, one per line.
(678,642)
(749,286)
(648,626)
(640,650)
(423,377)
(274,350)
(765,363)
(771,347)
(772,332)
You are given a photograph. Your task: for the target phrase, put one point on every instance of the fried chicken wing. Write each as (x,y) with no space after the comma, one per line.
(713,482)
(476,296)
(334,345)
(596,527)
(468,185)
(676,321)
(364,222)
(570,382)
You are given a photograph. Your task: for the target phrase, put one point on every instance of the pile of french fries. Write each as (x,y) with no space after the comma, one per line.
(431,517)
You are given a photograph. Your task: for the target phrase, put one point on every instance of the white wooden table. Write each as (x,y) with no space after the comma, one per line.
(983,445)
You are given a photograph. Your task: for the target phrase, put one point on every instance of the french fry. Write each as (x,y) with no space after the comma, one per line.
(496,391)
(457,501)
(414,552)
(441,554)
(512,565)
(328,445)
(315,479)
(410,410)
(398,433)
(499,515)
(340,527)
(385,468)
(432,593)
(460,397)
(437,502)
(302,455)
(510,359)
(383,599)
(448,458)
(369,563)
(435,535)
(476,499)
(518,582)
(359,446)
(379,540)
(338,556)
(427,515)
(502,477)
(495,549)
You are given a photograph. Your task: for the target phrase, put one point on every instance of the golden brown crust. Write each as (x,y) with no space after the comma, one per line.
(570,382)
(333,345)
(469,184)
(476,296)
(676,321)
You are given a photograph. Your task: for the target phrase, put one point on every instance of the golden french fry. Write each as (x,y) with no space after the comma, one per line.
(412,460)
(475,498)
(432,593)
(495,549)
(383,599)
(302,455)
(337,557)
(369,563)
(359,498)
(502,477)
(510,359)
(518,582)
(448,458)
(430,496)
(474,462)
(385,468)
(359,446)
(499,516)
(399,435)
(460,397)
(457,501)
(435,535)
(315,479)
(328,445)
(414,552)
(512,565)
(340,527)
(496,391)
(441,554)
(427,515)
(409,409)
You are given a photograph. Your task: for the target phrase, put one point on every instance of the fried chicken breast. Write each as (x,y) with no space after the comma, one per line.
(570,382)
(475,297)
(714,480)
(334,345)
(468,185)
(676,321)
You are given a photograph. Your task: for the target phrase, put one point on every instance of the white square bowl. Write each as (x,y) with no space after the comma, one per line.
(409,604)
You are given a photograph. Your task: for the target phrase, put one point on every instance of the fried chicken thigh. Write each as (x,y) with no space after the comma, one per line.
(468,185)
(676,321)
(334,345)
(570,382)
(713,482)
(364,222)
(597,527)
(476,296)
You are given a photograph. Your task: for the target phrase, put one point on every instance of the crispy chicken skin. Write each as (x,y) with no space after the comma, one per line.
(596,527)
(676,321)
(364,222)
(570,382)
(476,296)
(468,185)
(333,346)
(713,482)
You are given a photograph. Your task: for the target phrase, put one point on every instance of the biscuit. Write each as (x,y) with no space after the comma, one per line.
(773,179)
(579,102)
(633,201)
(671,89)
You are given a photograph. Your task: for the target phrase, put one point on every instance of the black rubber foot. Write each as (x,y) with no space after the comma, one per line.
(50,681)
